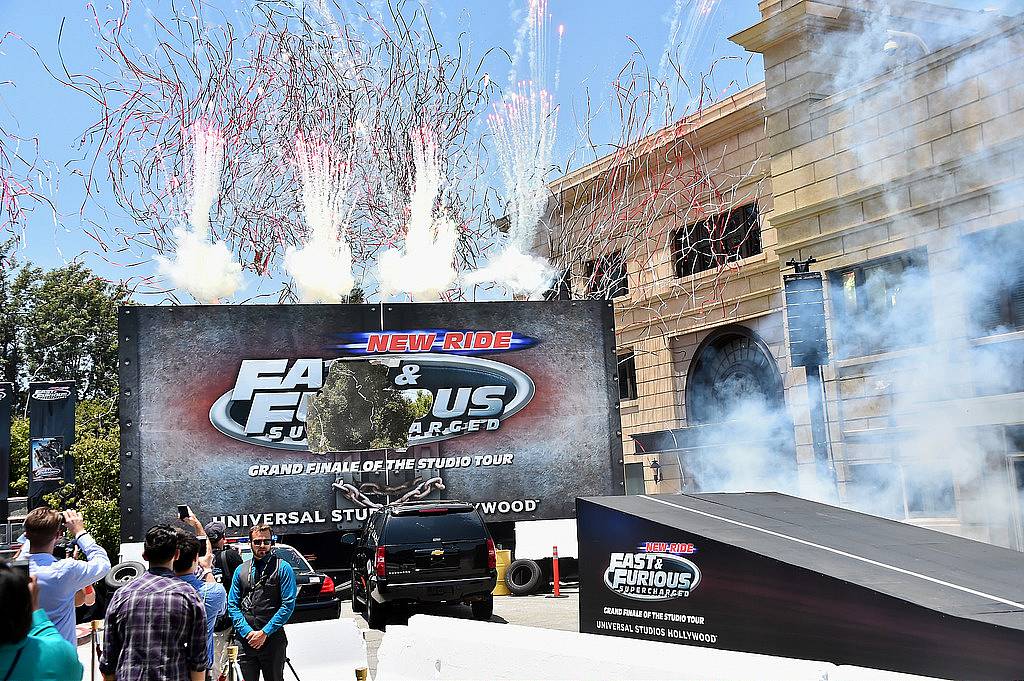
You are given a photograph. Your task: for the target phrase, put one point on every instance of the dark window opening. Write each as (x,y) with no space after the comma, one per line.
(561,289)
(717,241)
(929,491)
(606,276)
(993,263)
(901,491)
(627,377)
(635,479)
(881,305)
(875,488)
(1017,492)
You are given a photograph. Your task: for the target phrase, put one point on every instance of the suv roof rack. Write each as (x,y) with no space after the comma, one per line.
(414,506)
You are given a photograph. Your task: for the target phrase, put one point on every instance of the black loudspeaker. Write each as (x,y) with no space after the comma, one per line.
(805,313)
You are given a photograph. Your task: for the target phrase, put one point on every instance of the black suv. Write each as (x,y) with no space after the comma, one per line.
(423,552)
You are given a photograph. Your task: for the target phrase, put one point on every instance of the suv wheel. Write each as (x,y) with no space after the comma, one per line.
(483,609)
(376,613)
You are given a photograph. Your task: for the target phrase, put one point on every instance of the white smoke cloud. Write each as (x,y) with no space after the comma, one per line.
(524,128)
(426,266)
(521,273)
(322,267)
(207,271)
(923,432)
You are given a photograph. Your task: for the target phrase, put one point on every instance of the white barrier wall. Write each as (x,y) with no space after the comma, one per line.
(329,649)
(535,538)
(440,648)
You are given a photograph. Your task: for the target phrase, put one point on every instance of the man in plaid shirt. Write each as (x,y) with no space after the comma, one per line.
(156,626)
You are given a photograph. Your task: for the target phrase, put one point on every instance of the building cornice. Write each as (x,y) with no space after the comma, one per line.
(790,23)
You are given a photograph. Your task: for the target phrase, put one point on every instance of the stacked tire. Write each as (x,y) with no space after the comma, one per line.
(523,577)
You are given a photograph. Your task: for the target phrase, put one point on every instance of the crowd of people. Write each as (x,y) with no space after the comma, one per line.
(172,623)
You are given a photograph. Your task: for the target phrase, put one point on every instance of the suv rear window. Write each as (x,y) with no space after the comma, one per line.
(418,529)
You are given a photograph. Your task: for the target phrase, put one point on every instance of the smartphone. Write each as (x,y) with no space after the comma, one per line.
(184,512)
(21,565)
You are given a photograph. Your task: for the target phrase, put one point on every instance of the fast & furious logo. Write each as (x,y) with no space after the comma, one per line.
(651,576)
(269,403)
(49,394)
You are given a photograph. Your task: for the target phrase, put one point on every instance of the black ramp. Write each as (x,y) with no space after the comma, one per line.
(773,574)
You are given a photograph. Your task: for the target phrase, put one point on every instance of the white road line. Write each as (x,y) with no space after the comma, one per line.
(841,553)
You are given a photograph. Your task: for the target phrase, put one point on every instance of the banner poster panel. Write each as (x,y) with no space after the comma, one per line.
(310,416)
(6,407)
(761,581)
(51,416)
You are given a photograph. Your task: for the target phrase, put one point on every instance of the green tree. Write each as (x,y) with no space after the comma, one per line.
(67,328)
(59,324)
(96,490)
(13,286)
(19,457)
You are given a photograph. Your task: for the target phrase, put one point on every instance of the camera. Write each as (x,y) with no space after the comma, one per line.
(63,549)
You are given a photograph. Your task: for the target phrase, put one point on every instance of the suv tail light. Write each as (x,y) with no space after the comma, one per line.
(378,562)
(328,586)
(492,557)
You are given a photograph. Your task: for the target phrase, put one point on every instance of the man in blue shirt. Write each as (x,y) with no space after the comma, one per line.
(261,601)
(211,593)
(59,579)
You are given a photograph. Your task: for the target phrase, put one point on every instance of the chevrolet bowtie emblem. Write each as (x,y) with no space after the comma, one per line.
(437,552)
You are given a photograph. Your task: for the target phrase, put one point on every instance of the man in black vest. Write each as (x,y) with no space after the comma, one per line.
(261,601)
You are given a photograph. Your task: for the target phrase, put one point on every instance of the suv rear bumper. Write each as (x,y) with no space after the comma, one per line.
(436,591)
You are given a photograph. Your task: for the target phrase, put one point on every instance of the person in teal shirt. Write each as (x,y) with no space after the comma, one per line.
(31,648)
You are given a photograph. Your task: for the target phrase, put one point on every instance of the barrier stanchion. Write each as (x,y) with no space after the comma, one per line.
(93,643)
(233,674)
(361,674)
(554,570)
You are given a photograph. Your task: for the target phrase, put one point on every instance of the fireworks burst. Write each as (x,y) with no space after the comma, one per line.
(322,267)
(524,127)
(426,266)
(208,271)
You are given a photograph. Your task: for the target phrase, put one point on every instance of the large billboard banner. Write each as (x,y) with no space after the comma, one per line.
(311,416)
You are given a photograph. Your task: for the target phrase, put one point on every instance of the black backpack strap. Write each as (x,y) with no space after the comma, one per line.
(245,576)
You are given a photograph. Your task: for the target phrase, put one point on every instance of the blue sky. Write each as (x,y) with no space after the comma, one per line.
(600,36)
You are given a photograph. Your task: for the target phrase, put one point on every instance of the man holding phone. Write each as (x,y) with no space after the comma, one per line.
(60,580)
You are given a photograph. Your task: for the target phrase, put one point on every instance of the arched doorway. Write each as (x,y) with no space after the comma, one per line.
(731,368)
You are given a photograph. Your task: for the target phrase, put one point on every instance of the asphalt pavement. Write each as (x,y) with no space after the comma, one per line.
(530,611)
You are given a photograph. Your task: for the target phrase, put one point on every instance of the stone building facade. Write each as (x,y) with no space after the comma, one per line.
(886,144)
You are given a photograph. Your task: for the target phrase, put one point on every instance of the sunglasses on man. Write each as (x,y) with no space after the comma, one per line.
(262,542)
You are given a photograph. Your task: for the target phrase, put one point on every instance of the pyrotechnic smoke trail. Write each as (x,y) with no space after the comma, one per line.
(375,71)
(688,32)
(524,128)
(426,267)
(208,271)
(322,267)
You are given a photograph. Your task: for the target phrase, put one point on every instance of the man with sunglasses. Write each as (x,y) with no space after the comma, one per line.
(261,601)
